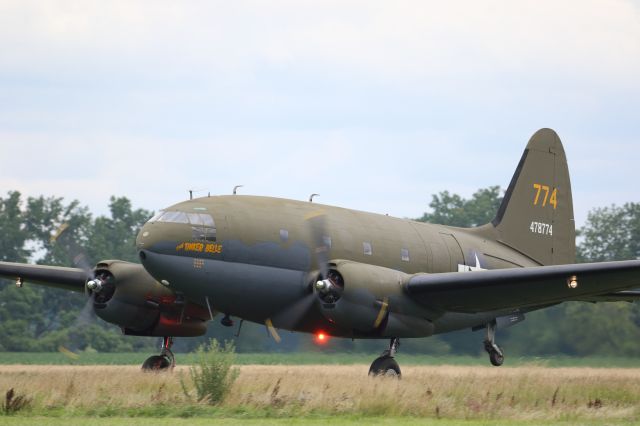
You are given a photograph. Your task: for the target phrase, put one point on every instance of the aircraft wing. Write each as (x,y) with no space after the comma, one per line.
(53,276)
(481,291)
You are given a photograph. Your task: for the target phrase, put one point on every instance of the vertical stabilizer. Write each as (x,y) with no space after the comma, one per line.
(536,215)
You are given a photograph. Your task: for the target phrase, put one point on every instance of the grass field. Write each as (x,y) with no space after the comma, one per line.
(313,394)
(305,421)
(314,358)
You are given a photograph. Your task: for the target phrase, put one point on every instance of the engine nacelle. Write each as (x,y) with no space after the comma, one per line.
(126,295)
(369,300)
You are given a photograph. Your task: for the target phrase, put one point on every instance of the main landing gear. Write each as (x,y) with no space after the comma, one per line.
(496,356)
(165,361)
(385,364)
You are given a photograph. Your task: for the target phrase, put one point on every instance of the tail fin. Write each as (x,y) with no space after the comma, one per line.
(536,215)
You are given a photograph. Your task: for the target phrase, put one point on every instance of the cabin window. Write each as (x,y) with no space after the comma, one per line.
(326,241)
(368,251)
(284,235)
(404,255)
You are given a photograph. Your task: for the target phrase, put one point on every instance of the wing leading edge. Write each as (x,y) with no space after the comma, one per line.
(481,291)
(53,276)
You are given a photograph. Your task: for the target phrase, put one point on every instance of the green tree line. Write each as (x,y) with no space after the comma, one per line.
(37,318)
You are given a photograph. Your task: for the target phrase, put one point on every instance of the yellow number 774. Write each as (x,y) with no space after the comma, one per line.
(553,200)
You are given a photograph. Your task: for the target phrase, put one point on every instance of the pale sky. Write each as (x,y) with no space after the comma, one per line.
(374,105)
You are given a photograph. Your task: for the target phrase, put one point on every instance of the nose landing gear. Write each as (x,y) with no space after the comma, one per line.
(385,364)
(165,361)
(226,321)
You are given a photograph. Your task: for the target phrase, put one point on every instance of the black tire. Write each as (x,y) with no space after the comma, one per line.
(385,366)
(157,363)
(496,359)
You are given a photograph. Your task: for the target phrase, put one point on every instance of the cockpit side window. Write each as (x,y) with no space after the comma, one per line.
(210,234)
(195,219)
(207,220)
(203,227)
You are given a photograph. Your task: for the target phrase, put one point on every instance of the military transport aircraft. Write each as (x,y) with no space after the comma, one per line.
(313,268)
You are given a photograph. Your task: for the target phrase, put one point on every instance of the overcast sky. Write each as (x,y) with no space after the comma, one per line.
(373,105)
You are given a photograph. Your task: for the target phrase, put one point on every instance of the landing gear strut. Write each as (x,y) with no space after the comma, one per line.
(165,361)
(496,356)
(385,364)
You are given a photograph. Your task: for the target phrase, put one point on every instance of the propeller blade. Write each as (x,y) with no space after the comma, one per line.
(68,353)
(272,330)
(317,223)
(384,308)
(87,314)
(78,255)
(84,319)
(291,315)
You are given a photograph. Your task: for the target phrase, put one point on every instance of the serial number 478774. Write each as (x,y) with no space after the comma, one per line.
(541,228)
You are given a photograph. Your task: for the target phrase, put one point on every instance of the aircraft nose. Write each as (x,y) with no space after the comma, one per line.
(143,237)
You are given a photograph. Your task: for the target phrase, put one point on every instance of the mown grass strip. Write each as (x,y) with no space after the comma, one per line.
(315,358)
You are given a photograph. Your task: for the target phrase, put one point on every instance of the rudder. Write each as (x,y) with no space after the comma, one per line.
(536,214)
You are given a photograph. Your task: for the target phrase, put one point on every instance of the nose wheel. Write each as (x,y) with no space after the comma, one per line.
(163,362)
(496,356)
(385,364)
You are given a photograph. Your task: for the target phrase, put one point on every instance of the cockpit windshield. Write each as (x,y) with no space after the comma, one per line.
(173,217)
(202,224)
(156,216)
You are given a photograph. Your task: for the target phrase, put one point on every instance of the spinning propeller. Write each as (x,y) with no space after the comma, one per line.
(95,284)
(291,315)
(327,287)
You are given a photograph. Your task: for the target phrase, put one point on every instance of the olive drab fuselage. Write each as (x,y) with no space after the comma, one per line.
(261,258)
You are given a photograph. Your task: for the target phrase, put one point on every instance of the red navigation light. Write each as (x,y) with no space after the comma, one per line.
(321,337)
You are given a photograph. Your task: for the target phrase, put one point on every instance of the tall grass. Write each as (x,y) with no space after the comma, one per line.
(450,392)
(213,373)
